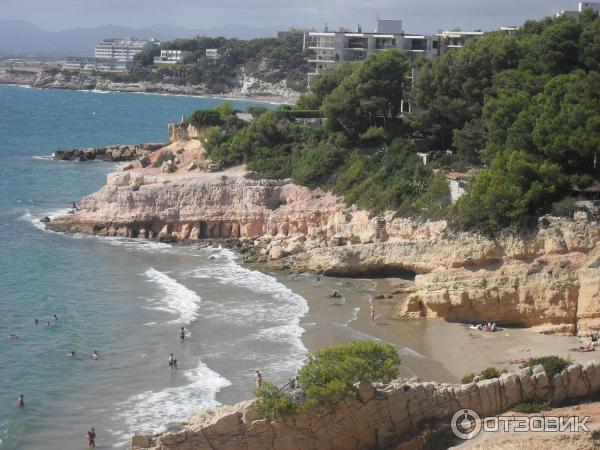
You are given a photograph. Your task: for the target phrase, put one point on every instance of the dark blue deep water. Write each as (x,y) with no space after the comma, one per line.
(124,298)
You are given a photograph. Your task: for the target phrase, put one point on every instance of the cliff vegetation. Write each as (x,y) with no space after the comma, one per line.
(523,110)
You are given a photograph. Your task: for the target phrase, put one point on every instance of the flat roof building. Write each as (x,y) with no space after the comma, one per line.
(171,57)
(329,48)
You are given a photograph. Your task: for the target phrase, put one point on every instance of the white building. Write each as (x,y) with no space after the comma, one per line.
(451,39)
(329,48)
(117,53)
(212,53)
(97,64)
(594,6)
(171,57)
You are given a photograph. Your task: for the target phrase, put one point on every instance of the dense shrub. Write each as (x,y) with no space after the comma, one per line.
(205,118)
(274,402)
(553,365)
(329,374)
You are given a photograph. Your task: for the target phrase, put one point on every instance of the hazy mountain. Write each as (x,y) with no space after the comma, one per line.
(18,38)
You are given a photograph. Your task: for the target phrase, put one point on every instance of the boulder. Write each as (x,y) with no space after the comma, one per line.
(191,166)
(168,167)
(46,219)
(276,252)
(336,294)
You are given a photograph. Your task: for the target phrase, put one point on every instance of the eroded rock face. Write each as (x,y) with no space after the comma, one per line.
(379,416)
(548,278)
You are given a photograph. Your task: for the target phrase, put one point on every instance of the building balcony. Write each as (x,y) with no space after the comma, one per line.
(327,61)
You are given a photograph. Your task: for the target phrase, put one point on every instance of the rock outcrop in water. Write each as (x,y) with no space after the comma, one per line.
(110,153)
(549,277)
(379,417)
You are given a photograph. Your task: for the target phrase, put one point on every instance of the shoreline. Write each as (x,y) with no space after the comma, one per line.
(431,349)
(269,99)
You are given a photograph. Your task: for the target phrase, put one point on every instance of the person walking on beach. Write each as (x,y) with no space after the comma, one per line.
(182,333)
(258,379)
(91,435)
(372,314)
(20,401)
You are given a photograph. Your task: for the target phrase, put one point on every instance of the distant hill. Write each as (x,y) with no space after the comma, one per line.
(19,38)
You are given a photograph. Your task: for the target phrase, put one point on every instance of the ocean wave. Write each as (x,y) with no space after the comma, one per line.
(277,309)
(177,299)
(35,221)
(43,157)
(154,410)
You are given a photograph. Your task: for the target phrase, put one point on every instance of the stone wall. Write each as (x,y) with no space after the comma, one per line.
(378,417)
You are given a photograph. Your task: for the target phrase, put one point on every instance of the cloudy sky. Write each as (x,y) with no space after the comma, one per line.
(419,16)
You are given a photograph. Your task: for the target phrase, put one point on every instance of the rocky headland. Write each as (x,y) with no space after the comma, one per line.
(392,415)
(547,278)
(246,87)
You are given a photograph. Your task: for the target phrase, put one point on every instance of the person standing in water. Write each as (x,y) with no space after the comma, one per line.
(35,321)
(172,362)
(96,355)
(91,435)
(372,314)
(20,401)
(182,333)
(258,379)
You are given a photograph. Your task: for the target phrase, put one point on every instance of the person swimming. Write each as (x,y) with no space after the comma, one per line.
(54,317)
(20,401)
(35,321)
(14,336)
(73,355)
(96,355)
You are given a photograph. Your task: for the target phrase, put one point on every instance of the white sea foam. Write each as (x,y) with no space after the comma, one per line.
(43,157)
(175,298)
(154,410)
(277,309)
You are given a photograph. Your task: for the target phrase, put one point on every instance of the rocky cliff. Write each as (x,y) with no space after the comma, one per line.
(379,416)
(549,277)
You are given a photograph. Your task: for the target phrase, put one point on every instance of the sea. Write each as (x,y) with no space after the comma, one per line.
(126,299)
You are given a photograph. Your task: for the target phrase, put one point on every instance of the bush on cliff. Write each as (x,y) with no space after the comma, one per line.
(532,407)
(553,365)
(206,118)
(329,374)
(486,374)
(273,402)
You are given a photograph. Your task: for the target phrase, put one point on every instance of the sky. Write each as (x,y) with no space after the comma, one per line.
(422,16)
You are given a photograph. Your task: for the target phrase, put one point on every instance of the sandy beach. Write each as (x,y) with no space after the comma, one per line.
(431,349)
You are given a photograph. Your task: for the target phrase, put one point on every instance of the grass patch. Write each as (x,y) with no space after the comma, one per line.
(532,407)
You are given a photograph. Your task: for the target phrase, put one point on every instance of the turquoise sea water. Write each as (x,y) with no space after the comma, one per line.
(125,298)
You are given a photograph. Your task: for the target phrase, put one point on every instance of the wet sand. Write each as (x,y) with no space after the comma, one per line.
(431,349)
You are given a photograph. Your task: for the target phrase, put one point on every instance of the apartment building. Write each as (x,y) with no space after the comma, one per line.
(328,48)
(451,39)
(594,6)
(212,53)
(123,48)
(171,57)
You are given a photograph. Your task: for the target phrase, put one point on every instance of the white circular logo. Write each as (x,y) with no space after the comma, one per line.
(465,424)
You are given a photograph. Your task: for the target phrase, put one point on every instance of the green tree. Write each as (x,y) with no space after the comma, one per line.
(470,140)
(329,374)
